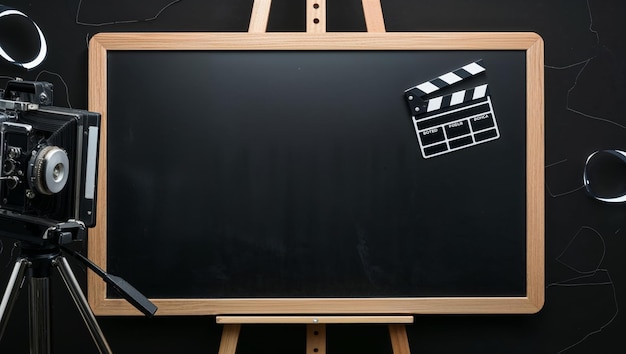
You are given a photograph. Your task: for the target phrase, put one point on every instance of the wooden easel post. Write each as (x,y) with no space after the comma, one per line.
(230,337)
(315,325)
(260,15)
(316,16)
(374,19)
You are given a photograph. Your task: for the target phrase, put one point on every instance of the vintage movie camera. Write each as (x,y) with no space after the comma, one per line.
(48,157)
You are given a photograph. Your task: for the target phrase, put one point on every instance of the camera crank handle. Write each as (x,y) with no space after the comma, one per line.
(121,286)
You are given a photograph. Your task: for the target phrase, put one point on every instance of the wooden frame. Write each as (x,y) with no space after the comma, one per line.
(531,43)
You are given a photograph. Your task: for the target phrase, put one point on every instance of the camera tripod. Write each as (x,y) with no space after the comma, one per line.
(34,267)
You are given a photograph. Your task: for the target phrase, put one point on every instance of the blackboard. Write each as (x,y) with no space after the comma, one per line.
(280,173)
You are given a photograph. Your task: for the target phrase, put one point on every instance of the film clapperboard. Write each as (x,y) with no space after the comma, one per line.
(456,121)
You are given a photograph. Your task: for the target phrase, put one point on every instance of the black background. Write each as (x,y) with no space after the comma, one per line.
(584,81)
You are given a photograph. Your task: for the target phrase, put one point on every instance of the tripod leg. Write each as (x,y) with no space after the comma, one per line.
(39,311)
(81,302)
(11,292)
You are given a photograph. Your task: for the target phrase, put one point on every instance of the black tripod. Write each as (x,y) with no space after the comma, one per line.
(34,267)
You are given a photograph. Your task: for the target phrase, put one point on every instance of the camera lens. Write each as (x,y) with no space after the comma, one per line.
(58,172)
(49,170)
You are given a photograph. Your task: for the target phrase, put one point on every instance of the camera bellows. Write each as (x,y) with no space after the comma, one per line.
(50,170)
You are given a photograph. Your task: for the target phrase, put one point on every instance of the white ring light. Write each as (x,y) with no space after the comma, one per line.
(621,155)
(43,49)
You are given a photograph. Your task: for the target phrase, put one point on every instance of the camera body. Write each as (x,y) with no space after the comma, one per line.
(48,157)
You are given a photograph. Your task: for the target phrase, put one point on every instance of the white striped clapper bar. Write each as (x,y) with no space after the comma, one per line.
(456,121)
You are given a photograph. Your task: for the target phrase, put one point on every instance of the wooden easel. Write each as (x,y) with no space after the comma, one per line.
(316,16)
(315,325)
(315,329)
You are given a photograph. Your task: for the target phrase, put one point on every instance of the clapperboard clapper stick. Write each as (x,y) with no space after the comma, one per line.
(456,121)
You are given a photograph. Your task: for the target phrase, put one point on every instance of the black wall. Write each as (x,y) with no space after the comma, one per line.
(585,243)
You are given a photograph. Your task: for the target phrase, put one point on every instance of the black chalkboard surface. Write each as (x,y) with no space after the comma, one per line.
(281,173)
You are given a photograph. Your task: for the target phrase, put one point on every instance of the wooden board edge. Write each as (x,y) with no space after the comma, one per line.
(97,236)
(316,41)
(312,319)
(535,145)
(531,42)
(325,306)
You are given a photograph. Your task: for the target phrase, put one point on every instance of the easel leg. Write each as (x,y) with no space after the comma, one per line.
(230,336)
(399,339)
(316,339)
